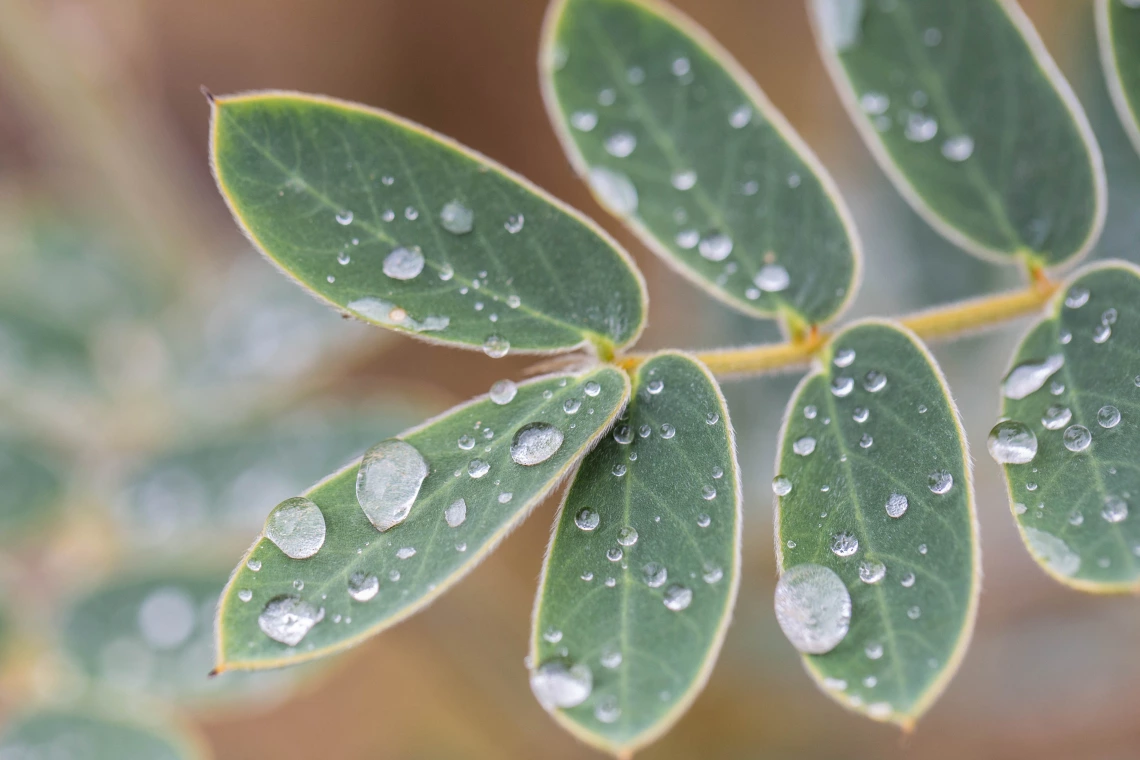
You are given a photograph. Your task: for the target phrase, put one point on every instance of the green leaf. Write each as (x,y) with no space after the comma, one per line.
(1118,30)
(871,426)
(151,633)
(644,613)
(973,122)
(1076,390)
(220,485)
(468,452)
(679,142)
(96,734)
(33,477)
(315,182)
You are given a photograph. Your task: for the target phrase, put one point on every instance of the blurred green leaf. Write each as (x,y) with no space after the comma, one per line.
(151,633)
(405,228)
(1118,32)
(42,354)
(219,488)
(1073,391)
(643,568)
(875,514)
(966,112)
(33,475)
(479,484)
(679,142)
(96,735)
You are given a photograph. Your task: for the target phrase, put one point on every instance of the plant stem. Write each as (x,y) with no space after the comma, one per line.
(939,323)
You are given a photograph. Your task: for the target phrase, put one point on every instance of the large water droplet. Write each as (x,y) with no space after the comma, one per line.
(363,586)
(1076,438)
(813,608)
(678,597)
(615,190)
(288,619)
(535,442)
(1029,377)
(1011,442)
(404,263)
(456,218)
(772,278)
(503,392)
(897,505)
(557,684)
(389,481)
(297,526)
(1054,552)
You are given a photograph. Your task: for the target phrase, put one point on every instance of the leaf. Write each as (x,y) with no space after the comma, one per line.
(645,613)
(33,478)
(1074,501)
(971,119)
(97,734)
(315,182)
(151,634)
(874,424)
(679,142)
(395,573)
(1118,29)
(220,485)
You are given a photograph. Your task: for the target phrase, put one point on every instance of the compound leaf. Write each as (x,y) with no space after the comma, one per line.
(402,227)
(642,571)
(969,116)
(98,735)
(1118,32)
(475,491)
(679,142)
(1075,390)
(870,435)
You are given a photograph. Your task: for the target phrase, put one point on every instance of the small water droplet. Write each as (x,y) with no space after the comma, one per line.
(804,446)
(874,381)
(703,520)
(455,513)
(708,493)
(1076,438)
(297,527)
(866,441)
(920,128)
(772,278)
(654,574)
(781,486)
(623,434)
(908,580)
(621,144)
(245,595)
(958,148)
(940,481)
(813,608)
(678,597)
(503,392)
(591,389)
(861,414)
(514,223)
(254,565)
(740,117)
(914,613)
(1056,417)
(1108,416)
(587,519)
(842,386)
(715,247)
(405,552)
(363,587)
(496,346)
(558,685)
(344,217)
(456,218)
(607,709)
(874,103)
(627,536)
(477,468)
(1101,334)
(684,180)
(615,190)
(897,505)
(844,544)
(712,418)
(1115,509)
(872,571)
(1011,442)
(874,651)
(584,121)
(535,442)
(1077,297)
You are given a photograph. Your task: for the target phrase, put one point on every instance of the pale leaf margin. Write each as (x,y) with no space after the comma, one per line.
(1111,67)
(906,721)
(764,106)
(217,101)
(682,706)
(444,584)
(1049,70)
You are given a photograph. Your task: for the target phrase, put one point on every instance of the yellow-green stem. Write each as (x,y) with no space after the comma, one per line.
(938,323)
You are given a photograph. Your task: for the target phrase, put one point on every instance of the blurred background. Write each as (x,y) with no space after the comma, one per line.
(162,387)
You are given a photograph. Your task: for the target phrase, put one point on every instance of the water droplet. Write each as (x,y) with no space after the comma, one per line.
(655,386)
(678,597)
(288,619)
(708,493)
(245,595)
(456,218)
(715,247)
(1115,509)
(781,486)
(872,571)
(1028,377)
(844,357)
(534,443)
(166,618)
(587,519)
(556,684)
(687,239)
(1056,417)
(571,405)
(914,613)
(874,103)
(940,481)
(908,580)
(897,505)
(466,442)
(343,258)
(623,434)
(804,446)
(591,389)
(621,144)
(584,121)
(254,565)
(844,544)
(363,587)
(389,481)
(810,412)
(772,278)
(681,66)
(712,418)
(703,520)
(874,381)
(614,189)
(297,527)
(1108,317)
(958,148)
(1054,552)
(611,659)
(813,608)
(654,574)
(1077,297)
(456,513)
(496,346)
(920,128)
(1011,442)
(344,217)
(861,414)
(503,392)
(627,536)
(684,180)
(404,263)
(405,552)
(842,386)
(1108,416)
(477,468)
(874,651)
(866,441)
(1076,438)
(607,709)
(1101,334)
(740,117)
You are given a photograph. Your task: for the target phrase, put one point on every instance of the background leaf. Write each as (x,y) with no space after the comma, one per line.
(1118,30)
(1004,166)
(405,228)
(645,610)
(418,559)
(1072,501)
(874,422)
(33,477)
(96,735)
(679,142)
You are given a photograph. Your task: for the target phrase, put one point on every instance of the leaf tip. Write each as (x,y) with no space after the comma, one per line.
(217,671)
(207,94)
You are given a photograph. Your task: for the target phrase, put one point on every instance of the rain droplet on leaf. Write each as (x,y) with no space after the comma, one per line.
(389,481)
(535,442)
(297,527)
(813,608)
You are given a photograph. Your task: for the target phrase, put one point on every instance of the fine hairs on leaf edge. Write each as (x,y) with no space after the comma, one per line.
(905,720)
(1052,311)
(1110,66)
(716,51)
(217,102)
(682,706)
(522,513)
(1050,70)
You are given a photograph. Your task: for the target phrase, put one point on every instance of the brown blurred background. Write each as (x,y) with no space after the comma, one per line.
(102,124)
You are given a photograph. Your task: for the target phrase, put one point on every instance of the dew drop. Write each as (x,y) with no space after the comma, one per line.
(389,481)
(571,405)
(654,574)
(874,651)
(844,544)
(496,346)
(1076,438)
(503,392)
(288,619)
(861,414)
(1115,509)
(703,520)
(678,597)
(363,587)
(781,486)
(772,278)
(708,493)
(907,581)
(844,357)
(813,608)
(558,685)
(535,442)
(872,571)
(804,446)
(842,386)
(866,441)
(245,595)
(1108,416)
(1056,417)
(897,505)
(587,519)
(297,527)
(1028,377)
(477,468)
(254,565)
(1054,552)
(740,117)
(456,218)
(623,434)
(684,180)
(344,218)
(958,148)
(404,263)
(621,144)
(715,247)
(584,121)
(607,709)
(940,481)
(627,536)
(1011,442)
(1077,297)
(455,513)
(615,190)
